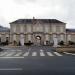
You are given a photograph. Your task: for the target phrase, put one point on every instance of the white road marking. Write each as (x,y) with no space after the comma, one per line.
(18,50)
(42,54)
(49,54)
(11,50)
(66,53)
(56,53)
(26,54)
(73,54)
(3,53)
(41,50)
(14,50)
(11,57)
(34,54)
(10,54)
(18,54)
(69,53)
(11,69)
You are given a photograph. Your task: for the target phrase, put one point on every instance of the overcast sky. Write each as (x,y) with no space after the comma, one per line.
(63,10)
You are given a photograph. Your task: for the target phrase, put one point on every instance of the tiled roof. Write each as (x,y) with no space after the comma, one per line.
(70,30)
(29,21)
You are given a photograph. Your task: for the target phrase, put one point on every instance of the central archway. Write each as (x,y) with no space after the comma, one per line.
(38,40)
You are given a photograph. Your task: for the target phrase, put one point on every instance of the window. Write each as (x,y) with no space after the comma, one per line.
(0,39)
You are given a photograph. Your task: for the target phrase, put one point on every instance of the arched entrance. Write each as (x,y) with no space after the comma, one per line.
(38,40)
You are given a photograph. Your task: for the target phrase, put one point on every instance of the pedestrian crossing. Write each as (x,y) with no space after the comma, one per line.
(57,54)
(42,54)
(10,54)
(18,54)
(2,54)
(50,54)
(73,54)
(24,54)
(34,54)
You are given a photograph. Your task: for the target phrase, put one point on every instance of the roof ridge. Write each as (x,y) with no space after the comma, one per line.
(43,20)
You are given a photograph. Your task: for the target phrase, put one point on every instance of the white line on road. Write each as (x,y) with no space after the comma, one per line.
(3,53)
(18,54)
(50,54)
(73,54)
(56,53)
(10,54)
(14,50)
(11,57)
(66,53)
(34,54)
(26,54)
(41,50)
(42,54)
(69,53)
(11,69)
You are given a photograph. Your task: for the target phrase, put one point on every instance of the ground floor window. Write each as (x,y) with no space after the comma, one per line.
(0,39)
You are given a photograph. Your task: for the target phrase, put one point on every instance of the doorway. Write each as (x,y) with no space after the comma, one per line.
(38,40)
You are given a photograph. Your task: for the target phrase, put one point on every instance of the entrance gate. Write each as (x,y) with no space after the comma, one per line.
(38,40)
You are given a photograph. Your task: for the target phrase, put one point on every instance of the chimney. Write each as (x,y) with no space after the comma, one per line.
(34,20)
(33,17)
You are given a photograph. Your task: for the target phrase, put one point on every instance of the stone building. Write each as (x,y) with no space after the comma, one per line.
(4,34)
(70,35)
(40,31)
(37,31)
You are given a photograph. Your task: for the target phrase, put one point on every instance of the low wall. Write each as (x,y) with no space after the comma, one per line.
(65,49)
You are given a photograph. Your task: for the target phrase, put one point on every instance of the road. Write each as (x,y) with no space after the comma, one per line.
(41,60)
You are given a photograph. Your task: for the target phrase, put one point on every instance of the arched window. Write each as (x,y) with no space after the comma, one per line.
(7,39)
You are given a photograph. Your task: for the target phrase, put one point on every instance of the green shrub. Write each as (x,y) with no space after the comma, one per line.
(19,44)
(14,42)
(61,43)
(28,44)
(71,43)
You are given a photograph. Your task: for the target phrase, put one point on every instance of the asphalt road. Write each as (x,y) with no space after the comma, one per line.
(38,64)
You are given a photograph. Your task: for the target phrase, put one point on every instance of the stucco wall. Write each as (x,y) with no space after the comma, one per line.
(29,29)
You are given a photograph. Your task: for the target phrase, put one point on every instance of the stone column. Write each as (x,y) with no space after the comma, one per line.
(0,37)
(14,37)
(54,28)
(22,39)
(62,37)
(55,41)
(21,29)
(46,39)
(69,37)
(14,28)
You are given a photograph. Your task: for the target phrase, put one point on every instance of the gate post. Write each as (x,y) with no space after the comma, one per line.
(22,40)
(55,41)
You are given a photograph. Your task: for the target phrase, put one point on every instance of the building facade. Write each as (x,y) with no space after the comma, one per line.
(37,31)
(70,35)
(4,34)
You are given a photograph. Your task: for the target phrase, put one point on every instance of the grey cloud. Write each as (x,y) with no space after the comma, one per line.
(60,9)
(24,1)
(4,22)
(31,0)
(69,5)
